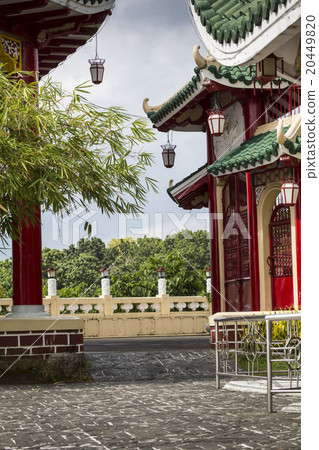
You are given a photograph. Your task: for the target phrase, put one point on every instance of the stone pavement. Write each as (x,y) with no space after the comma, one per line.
(145,400)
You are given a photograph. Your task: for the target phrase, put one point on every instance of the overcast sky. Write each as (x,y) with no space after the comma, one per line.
(148,48)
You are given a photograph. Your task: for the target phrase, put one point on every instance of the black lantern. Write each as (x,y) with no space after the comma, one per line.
(208,272)
(51,272)
(168,153)
(289,191)
(105,272)
(161,272)
(97,67)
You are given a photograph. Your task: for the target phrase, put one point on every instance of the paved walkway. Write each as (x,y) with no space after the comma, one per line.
(155,399)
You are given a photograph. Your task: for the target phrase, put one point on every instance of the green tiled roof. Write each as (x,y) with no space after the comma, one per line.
(244,74)
(228,20)
(293,147)
(257,150)
(178,100)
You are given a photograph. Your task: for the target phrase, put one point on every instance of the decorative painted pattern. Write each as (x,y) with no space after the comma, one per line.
(10,53)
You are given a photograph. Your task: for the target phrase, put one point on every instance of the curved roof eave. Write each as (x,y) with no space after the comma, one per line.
(259,42)
(88,8)
(160,115)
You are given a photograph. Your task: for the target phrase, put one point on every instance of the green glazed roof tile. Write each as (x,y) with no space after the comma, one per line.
(227,20)
(258,149)
(244,74)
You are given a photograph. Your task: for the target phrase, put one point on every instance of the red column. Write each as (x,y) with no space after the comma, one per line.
(253,114)
(213,225)
(253,244)
(297,173)
(26,252)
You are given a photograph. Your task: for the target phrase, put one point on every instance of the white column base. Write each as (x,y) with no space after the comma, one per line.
(27,311)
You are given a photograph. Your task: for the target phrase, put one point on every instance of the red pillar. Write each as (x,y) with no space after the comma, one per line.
(253,114)
(297,173)
(213,225)
(253,244)
(26,252)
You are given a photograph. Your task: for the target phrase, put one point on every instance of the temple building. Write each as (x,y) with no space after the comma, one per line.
(246,96)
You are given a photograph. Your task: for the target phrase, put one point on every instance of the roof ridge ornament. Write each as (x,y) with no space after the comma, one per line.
(291,133)
(202,62)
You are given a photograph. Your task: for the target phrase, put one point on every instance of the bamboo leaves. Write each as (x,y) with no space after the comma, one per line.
(59,150)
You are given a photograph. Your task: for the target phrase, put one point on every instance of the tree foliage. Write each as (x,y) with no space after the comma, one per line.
(60,151)
(133,264)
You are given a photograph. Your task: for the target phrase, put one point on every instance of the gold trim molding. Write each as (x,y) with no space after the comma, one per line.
(10,53)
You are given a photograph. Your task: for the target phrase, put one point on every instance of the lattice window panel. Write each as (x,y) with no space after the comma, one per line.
(236,247)
(281,242)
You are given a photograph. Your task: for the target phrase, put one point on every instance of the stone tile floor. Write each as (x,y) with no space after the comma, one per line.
(145,400)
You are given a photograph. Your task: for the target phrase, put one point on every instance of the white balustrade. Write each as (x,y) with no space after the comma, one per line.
(142,307)
(86,308)
(180,306)
(127,307)
(157,307)
(99,308)
(72,308)
(204,305)
(194,305)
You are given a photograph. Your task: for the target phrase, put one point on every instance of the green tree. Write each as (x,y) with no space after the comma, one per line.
(60,151)
(6,278)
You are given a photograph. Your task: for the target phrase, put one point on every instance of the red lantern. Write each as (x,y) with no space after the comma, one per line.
(216,121)
(289,191)
(97,70)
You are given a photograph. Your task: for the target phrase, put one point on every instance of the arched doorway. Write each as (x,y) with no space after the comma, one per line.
(280,259)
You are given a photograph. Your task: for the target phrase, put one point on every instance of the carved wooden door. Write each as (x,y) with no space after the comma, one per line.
(280,259)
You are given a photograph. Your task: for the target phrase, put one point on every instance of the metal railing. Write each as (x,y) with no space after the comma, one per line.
(250,346)
(288,352)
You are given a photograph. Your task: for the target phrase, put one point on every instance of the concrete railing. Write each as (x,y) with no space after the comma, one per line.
(109,316)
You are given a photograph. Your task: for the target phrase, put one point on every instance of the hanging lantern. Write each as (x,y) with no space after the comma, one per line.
(51,272)
(105,273)
(289,191)
(97,70)
(266,70)
(216,121)
(161,272)
(168,153)
(208,272)
(97,67)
